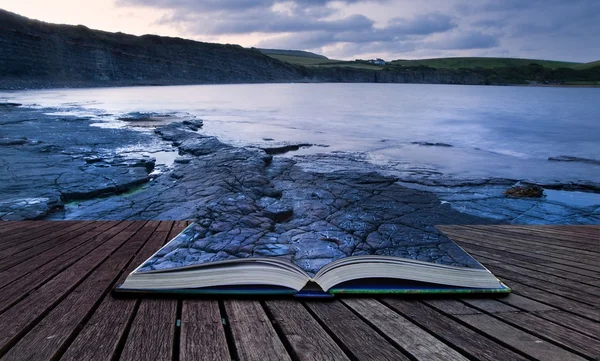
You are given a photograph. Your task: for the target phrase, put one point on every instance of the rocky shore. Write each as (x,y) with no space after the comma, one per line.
(60,167)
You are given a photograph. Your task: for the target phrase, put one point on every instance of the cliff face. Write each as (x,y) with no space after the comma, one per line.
(34,54)
(37,54)
(409,75)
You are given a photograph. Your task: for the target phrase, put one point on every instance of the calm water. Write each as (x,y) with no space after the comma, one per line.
(506,132)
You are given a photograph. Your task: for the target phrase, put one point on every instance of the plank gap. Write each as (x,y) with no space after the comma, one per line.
(228,332)
(381,333)
(121,344)
(284,340)
(331,334)
(177,331)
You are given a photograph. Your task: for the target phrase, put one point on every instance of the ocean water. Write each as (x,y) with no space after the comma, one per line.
(494,132)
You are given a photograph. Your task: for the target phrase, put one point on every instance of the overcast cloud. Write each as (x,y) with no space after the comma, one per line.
(392,29)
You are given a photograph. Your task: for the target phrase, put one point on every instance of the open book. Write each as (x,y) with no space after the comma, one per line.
(190,264)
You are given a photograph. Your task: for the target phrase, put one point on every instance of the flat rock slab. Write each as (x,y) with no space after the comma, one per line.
(48,161)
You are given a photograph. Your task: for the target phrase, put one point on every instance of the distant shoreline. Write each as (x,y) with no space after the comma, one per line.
(34,85)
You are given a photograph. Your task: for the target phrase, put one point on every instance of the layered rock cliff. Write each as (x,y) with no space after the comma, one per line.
(36,54)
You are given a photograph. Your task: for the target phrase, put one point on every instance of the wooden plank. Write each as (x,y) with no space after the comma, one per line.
(24,231)
(573,322)
(17,290)
(540,235)
(576,287)
(490,305)
(112,318)
(557,269)
(308,340)
(525,304)
(525,342)
(17,228)
(410,337)
(46,339)
(157,338)
(254,336)
(363,342)
(202,333)
(6,227)
(574,294)
(468,341)
(452,306)
(566,338)
(557,301)
(550,313)
(29,253)
(17,319)
(152,332)
(530,251)
(580,233)
(23,268)
(59,233)
(494,239)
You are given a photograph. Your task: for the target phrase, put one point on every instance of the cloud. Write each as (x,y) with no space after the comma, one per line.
(464,40)
(556,29)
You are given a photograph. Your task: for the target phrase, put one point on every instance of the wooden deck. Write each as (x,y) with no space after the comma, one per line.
(55,304)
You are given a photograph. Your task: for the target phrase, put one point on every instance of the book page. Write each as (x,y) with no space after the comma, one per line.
(309,250)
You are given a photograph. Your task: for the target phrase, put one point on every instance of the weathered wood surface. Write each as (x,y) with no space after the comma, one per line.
(56,304)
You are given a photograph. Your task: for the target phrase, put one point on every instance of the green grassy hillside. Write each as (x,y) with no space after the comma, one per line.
(587,65)
(487,63)
(320,62)
(298,53)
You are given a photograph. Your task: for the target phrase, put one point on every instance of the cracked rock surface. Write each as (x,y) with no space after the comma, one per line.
(244,200)
(47,161)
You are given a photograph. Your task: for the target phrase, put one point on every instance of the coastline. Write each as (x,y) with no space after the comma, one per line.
(235,189)
(36,85)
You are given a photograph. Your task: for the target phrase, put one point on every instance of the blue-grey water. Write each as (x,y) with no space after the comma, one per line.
(505,132)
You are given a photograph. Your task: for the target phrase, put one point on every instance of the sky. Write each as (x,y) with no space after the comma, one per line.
(566,30)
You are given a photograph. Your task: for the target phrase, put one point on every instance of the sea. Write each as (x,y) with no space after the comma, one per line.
(450,132)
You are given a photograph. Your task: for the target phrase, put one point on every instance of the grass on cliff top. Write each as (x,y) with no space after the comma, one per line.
(489,63)
(304,61)
(438,63)
(587,65)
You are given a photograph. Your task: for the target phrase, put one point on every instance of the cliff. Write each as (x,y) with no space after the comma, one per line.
(38,54)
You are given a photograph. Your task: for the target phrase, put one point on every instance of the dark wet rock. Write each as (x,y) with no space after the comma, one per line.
(525,191)
(14,209)
(182,160)
(177,175)
(565,158)
(9,105)
(69,160)
(147,163)
(173,133)
(285,148)
(93,159)
(428,144)
(268,139)
(193,124)
(276,209)
(12,141)
(581,186)
(145,117)
(200,146)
